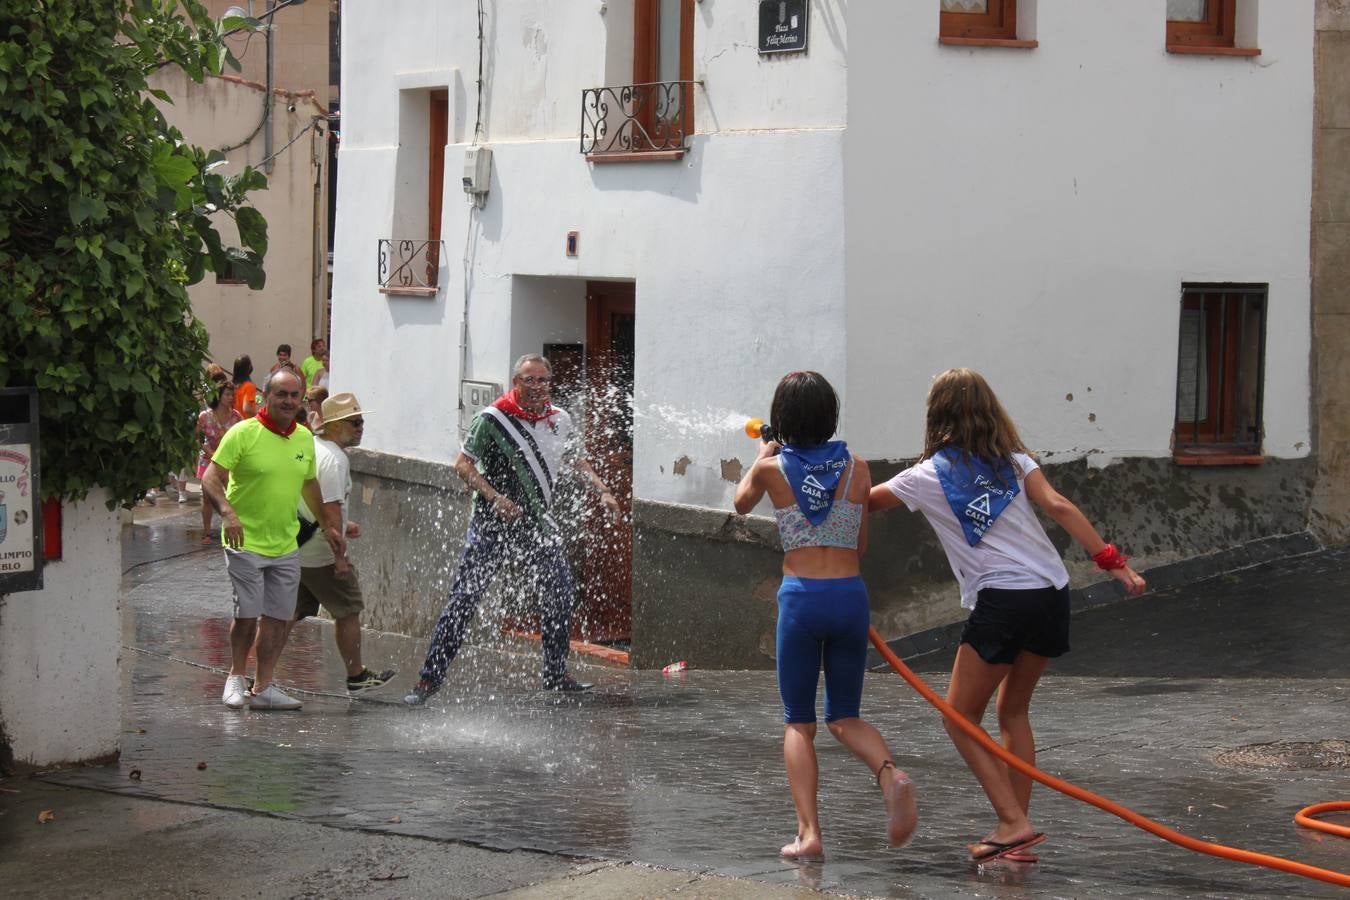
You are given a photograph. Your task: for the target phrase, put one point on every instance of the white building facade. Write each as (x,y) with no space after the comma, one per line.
(1102,207)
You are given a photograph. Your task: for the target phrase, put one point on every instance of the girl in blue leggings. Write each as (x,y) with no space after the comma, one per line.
(819,493)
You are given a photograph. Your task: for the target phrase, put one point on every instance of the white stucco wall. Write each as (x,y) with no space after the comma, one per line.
(1033,214)
(60,690)
(721,245)
(1029,213)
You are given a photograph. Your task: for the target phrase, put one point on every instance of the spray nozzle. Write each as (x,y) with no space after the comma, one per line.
(758,428)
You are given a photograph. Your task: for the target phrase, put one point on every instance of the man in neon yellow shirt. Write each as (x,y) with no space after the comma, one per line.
(314,362)
(268,463)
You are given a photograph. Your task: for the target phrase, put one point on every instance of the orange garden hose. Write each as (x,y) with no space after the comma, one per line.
(1304,816)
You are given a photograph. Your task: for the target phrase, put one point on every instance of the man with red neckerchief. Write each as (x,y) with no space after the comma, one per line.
(511,458)
(269,464)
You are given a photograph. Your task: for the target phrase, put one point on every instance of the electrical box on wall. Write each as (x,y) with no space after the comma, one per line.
(474,397)
(477,173)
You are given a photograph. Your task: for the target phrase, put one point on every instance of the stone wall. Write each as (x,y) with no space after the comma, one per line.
(705,581)
(1331,272)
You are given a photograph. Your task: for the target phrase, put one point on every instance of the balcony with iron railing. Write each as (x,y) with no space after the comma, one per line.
(634,122)
(410,267)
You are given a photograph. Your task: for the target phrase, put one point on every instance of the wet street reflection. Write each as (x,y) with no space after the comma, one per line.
(686,771)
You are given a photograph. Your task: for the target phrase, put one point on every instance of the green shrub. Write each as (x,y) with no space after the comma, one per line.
(104,222)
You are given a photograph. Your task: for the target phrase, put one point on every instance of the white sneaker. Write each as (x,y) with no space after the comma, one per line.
(236,692)
(273,698)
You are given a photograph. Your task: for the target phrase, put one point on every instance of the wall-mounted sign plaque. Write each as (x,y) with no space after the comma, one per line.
(782,25)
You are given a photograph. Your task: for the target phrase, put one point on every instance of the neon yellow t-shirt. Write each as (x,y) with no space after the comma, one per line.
(309,367)
(266,474)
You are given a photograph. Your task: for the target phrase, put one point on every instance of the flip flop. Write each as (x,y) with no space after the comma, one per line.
(1002,851)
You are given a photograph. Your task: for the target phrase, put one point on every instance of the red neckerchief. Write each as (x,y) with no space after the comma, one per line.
(509,403)
(271,426)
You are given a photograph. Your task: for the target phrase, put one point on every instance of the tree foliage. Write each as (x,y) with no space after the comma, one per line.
(105,219)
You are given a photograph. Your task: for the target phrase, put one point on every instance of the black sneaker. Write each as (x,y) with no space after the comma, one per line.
(368,679)
(420,692)
(568,685)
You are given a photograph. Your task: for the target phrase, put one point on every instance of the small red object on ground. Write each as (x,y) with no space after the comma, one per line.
(675,667)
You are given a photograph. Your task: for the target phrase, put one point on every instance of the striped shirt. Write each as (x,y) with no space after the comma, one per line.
(521,460)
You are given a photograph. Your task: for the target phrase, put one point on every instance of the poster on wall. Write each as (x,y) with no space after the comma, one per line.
(20,492)
(16,509)
(782,25)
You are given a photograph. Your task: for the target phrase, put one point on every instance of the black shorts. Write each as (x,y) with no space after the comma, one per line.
(1005,622)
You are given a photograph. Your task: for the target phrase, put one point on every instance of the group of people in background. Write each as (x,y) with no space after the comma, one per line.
(273,464)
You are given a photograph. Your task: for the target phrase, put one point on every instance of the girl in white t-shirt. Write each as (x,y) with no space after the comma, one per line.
(975,485)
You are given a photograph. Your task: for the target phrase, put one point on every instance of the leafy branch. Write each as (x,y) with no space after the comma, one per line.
(106,216)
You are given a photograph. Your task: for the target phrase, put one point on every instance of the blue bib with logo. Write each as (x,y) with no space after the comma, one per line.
(813,473)
(976,492)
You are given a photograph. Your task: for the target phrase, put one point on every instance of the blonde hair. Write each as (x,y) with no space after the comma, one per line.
(964,413)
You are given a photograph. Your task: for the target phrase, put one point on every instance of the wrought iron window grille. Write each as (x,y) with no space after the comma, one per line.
(409,265)
(636,118)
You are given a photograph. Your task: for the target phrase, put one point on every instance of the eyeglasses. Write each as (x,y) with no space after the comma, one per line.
(356,423)
(536,379)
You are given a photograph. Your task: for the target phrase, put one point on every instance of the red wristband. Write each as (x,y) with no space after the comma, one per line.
(1109,558)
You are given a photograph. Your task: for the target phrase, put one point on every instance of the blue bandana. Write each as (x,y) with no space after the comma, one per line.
(813,473)
(976,492)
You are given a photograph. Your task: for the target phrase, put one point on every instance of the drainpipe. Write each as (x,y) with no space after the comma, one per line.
(267,94)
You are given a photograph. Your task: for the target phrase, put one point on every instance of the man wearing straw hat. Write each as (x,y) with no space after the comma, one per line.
(326,580)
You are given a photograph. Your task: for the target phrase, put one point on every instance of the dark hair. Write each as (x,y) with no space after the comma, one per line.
(283,348)
(243,370)
(805,409)
(316,342)
(217,392)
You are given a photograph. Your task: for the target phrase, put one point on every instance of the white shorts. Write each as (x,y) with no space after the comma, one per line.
(263,585)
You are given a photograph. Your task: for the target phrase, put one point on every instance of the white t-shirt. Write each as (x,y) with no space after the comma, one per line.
(1014,553)
(335,483)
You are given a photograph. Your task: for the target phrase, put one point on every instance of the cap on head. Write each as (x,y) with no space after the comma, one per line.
(341,406)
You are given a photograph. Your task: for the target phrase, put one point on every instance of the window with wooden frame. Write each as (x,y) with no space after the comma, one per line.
(231,275)
(409,260)
(663,52)
(1220,374)
(1204,27)
(980,23)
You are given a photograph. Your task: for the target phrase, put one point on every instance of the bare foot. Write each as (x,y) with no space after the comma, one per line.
(902,809)
(803,850)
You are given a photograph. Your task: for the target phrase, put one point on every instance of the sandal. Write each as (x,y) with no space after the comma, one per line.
(1011,850)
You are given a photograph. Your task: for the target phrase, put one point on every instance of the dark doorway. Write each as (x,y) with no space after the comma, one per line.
(605,579)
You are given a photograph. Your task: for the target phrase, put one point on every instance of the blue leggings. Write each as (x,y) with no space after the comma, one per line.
(821,620)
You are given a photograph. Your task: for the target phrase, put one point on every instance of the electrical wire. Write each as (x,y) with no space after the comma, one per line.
(478,112)
(312,123)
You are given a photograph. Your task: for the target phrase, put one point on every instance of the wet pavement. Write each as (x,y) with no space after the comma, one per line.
(686,772)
